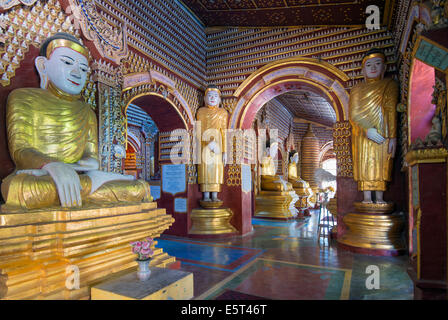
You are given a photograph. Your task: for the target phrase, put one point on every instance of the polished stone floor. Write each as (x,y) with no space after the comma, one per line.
(285,260)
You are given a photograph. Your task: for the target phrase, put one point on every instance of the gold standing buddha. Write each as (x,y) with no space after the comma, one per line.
(372,104)
(211,219)
(211,168)
(372,114)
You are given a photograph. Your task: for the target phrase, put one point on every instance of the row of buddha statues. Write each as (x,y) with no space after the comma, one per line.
(279,198)
(56,157)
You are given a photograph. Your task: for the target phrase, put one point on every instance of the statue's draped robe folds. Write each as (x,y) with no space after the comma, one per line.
(45,127)
(372,105)
(292,175)
(270,181)
(211,168)
(294,178)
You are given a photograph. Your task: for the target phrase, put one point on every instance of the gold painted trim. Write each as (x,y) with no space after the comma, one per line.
(57,43)
(152,82)
(318,85)
(416,45)
(223,79)
(349,2)
(154,94)
(419,216)
(439,155)
(373,55)
(388,12)
(290,61)
(409,95)
(212,89)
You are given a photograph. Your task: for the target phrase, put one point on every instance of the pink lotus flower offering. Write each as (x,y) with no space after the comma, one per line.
(143,248)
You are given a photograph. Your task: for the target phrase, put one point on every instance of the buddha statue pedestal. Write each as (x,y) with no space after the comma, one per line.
(276,204)
(304,193)
(211,220)
(374,229)
(300,186)
(42,252)
(332,207)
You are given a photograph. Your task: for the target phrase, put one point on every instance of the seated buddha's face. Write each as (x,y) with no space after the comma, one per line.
(295,158)
(373,68)
(66,69)
(212,98)
(272,150)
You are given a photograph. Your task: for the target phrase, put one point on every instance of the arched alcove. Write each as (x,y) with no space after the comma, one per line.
(295,74)
(167,118)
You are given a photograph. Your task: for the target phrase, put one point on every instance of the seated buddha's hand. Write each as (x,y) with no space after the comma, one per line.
(213,146)
(67,183)
(87,164)
(373,135)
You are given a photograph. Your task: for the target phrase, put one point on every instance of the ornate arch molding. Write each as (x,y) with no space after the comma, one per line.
(289,75)
(323,151)
(134,141)
(419,13)
(110,41)
(136,85)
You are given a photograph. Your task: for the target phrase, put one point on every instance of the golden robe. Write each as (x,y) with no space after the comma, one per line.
(269,180)
(296,181)
(373,105)
(45,126)
(211,168)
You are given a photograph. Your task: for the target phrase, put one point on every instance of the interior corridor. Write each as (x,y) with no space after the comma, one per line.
(284,260)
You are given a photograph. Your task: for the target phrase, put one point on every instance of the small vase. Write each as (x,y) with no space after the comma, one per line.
(143,272)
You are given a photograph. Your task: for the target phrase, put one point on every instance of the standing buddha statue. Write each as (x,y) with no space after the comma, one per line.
(372,114)
(213,122)
(53,140)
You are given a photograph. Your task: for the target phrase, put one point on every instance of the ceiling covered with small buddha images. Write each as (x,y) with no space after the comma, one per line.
(309,106)
(276,13)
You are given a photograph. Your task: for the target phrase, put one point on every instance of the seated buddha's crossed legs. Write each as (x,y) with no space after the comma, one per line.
(31,192)
(274,183)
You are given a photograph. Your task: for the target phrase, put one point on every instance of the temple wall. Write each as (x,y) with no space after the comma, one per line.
(233,54)
(159,35)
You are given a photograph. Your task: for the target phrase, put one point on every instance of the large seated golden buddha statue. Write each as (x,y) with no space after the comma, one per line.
(269,180)
(53,139)
(64,218)
(277,197)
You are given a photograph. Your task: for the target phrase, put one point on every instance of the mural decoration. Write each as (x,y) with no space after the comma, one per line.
(7,4)
(110,41)
(24,26)
(234,169)
(112,129)
(402,108)
(343,148)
